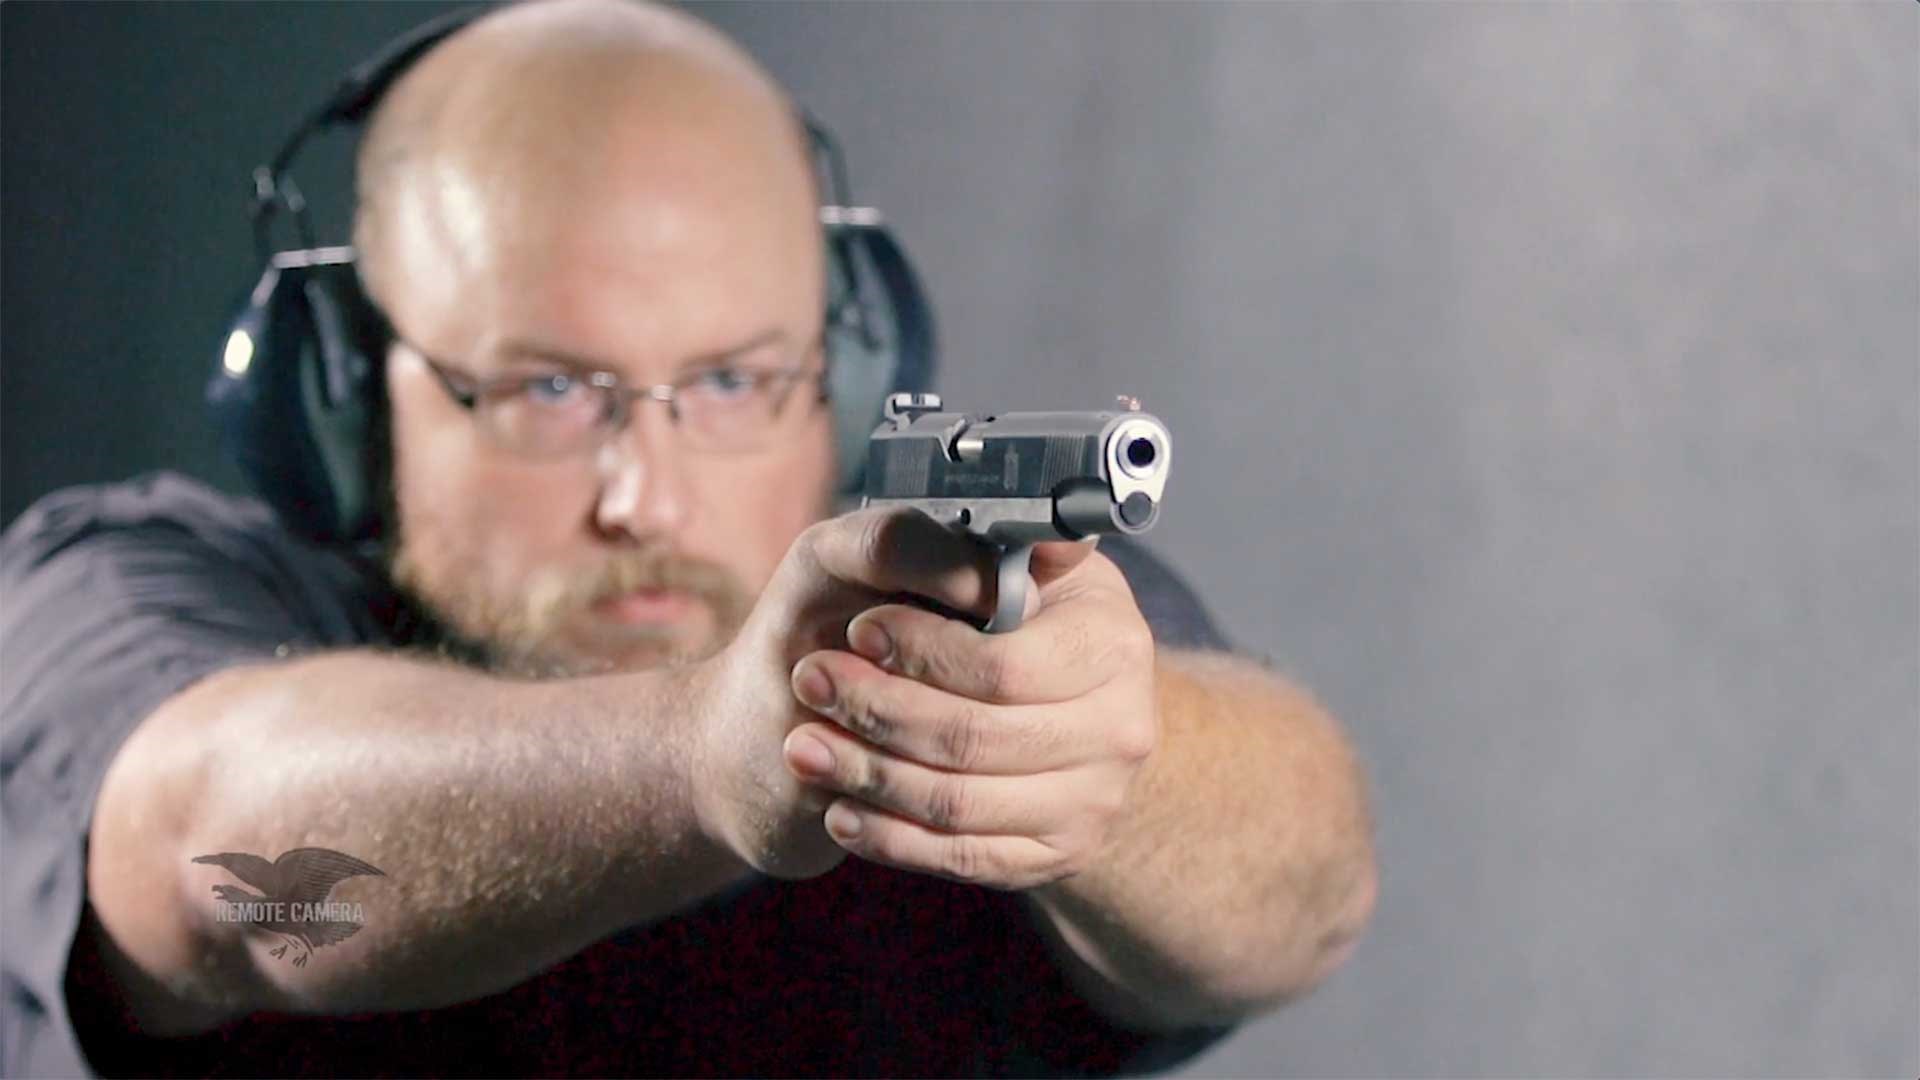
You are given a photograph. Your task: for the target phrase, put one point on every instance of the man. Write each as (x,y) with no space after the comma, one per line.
(622,843)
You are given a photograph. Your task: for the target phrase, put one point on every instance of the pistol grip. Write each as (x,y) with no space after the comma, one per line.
(1010,599)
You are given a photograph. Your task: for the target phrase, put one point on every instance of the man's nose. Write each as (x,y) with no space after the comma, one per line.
(643,485)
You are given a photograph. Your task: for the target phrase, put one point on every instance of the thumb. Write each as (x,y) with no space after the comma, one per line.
(1047,564)
(1056,559)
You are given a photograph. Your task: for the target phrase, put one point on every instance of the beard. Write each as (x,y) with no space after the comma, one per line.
(546,627)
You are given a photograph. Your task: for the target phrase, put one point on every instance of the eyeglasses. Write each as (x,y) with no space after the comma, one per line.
(722,409)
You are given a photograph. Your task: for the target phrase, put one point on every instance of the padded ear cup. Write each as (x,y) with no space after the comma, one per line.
(880,337)
(299,399)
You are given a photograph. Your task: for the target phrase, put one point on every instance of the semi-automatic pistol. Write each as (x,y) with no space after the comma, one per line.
(1015,479)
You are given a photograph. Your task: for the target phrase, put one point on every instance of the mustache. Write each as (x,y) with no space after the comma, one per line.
(557,596)
(525,630)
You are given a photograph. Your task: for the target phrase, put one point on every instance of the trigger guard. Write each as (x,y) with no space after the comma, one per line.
(1010,599)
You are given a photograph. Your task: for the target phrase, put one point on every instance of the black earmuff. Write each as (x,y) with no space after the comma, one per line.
(299,393)
(879,326)
(299,397)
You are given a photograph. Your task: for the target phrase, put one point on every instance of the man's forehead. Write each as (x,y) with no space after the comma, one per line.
(649,222)
(563,139)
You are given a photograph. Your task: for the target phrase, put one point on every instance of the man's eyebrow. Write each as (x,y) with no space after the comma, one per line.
(517,349)
(772,335)
(544,354)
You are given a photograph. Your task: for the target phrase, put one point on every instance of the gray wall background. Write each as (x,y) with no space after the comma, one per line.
(1544,383)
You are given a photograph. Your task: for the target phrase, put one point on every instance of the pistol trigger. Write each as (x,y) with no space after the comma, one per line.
(1010,599)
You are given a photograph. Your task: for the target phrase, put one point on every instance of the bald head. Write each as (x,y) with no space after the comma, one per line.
(542,104)
(600,185)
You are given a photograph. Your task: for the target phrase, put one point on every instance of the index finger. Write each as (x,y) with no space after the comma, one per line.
(1064,652)
(903,550)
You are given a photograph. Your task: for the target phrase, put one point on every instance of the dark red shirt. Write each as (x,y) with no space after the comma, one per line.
(118,597)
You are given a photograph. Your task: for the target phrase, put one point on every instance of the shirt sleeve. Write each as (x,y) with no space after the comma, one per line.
(110,609)
(1054,1031)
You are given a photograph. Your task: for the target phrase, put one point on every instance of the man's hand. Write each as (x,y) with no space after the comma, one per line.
(994,759)
(743,699)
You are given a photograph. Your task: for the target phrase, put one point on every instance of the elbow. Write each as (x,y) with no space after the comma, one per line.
(1346,926)
(1337,909)
(1311,945)
(1338,922)
(168,967)
(1294,967)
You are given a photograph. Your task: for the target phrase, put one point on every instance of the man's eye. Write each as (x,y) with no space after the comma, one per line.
(722,383)
(552,389)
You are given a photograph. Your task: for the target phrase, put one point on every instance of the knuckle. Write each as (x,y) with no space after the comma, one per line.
(1066,865)
(962,740)
(815,554)
(1142,638)
(866,719)
(949,660)
(1061,862)
(966,858)
(1135,742)
(997,670)
(814,539)
(1055,863)
(949,803)
(909,663)
(1132,643)
(876,539)
(915,656)
(870,779)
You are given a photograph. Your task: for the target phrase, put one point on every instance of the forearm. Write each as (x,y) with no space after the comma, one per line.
(516,822)
(1242,871)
